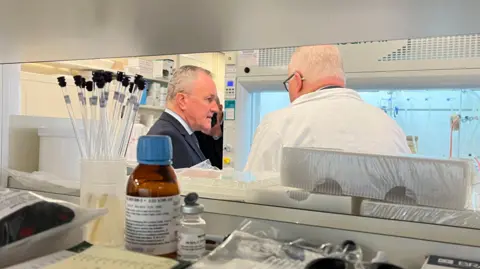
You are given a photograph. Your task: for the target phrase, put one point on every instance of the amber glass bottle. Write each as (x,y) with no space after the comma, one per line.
(152,207)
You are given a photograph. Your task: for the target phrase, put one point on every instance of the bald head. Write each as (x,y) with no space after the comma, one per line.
(317,67)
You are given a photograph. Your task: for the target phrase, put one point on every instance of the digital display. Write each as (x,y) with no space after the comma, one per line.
(230,83)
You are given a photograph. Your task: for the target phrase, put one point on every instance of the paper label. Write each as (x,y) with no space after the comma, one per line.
(191,246)
(151,224)
(11,201)
(93,100)
(121,98)
(113,258)
(446,262)
(67,99)
(229,109)
(136,106)
(103,102)
(44,261)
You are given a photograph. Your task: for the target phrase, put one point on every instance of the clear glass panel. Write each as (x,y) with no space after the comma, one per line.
(422,113)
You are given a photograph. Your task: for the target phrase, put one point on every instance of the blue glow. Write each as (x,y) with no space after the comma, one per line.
(422,112)
(230,83)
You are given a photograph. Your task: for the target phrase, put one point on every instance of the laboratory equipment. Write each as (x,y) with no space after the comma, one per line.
(191,234)
(440,183)
(153,200)
(105,134)
(103,145)
(102,185)
(444,262)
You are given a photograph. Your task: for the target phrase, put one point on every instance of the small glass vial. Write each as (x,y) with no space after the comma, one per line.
(152,206)
(191,235)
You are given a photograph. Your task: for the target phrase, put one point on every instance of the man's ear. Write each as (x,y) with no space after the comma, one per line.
(298,82)
(181,101)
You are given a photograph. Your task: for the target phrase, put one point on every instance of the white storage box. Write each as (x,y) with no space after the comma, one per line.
(59,153)
(398,179)
(458,218)
(137,62)
(288,197)
(163,69)
(221,184)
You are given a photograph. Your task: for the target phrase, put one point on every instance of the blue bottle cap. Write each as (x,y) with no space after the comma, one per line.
(154,150)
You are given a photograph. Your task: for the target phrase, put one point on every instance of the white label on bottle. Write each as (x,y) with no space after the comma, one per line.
(191,246)
(151,224)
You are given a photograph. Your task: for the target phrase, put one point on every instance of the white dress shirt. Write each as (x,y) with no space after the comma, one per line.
(182,122)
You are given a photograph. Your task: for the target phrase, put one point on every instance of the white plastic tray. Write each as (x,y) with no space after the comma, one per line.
(459,218)
(398,179)
(224,185)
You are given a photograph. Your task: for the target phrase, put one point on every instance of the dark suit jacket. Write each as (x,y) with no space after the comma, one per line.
(211,148)
(186,153)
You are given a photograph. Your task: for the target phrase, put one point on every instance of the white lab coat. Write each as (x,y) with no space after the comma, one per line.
(330,118)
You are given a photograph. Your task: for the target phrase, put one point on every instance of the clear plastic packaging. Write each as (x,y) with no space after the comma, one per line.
(257,245)
(45,242)
(399,179)
(42,181)
(459,218)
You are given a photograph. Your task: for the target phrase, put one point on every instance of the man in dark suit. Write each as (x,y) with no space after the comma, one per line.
(211,141)
(191,104)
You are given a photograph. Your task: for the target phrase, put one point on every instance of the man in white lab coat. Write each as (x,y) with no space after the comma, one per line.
(322,114)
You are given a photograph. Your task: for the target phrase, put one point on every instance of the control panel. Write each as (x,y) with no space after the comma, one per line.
(230,88)
(229,116)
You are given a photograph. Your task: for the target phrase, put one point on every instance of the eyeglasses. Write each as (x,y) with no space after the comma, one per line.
(285,82)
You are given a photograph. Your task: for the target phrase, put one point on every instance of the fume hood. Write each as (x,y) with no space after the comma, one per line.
(418,82)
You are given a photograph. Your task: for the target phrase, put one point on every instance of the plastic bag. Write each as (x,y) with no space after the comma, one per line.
(44,181)
(257,245)
(32,225)
(201,170)
(205,165)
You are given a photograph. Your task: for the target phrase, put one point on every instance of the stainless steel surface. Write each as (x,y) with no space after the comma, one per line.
(414,230)
(71,29)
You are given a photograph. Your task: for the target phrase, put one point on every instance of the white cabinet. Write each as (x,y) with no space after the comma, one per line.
(41,96)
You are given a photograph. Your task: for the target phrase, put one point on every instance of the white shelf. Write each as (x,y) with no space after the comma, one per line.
(152,108)
(77,65)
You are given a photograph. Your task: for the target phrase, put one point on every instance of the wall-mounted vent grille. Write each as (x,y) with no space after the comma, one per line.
(437,48)
(275,57)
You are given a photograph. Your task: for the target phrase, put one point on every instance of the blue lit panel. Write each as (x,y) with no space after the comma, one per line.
(425,113)
(230,83)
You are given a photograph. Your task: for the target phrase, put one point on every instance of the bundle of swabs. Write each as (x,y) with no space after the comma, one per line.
(107,122)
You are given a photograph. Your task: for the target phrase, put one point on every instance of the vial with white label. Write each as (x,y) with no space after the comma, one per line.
(152,206)
(191,234)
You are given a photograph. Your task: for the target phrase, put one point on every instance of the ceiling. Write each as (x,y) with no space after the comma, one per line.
(50,30)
